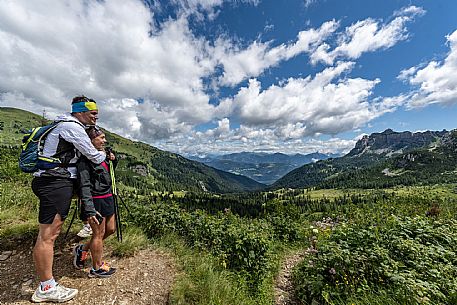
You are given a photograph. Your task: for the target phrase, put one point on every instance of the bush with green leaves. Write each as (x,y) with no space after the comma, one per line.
(412,260)
(9,166)
(286,229)
(242,245)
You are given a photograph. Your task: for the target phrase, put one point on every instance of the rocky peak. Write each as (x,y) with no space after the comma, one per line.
(450,140)
(389,141)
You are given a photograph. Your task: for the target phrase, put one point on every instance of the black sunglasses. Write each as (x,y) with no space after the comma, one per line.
(96,127)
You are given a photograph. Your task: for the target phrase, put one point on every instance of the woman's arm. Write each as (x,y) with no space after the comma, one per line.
(85,187)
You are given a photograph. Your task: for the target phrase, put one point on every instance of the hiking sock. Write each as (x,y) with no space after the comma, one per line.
(96,269)
(46,285)
(103,266)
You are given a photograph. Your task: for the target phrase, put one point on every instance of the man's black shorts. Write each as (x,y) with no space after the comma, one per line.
(55,197)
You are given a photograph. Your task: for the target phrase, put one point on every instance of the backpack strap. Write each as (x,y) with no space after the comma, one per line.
(57,154)
(69,121)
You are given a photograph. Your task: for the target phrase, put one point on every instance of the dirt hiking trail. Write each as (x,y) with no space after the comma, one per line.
(145,278)
(284,291)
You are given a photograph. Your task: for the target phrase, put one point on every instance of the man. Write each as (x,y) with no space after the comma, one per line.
(54,188)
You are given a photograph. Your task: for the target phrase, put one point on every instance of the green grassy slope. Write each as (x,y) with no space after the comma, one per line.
(141,165)
(12,121)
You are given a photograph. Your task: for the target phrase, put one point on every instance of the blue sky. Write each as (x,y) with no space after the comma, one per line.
(220,76)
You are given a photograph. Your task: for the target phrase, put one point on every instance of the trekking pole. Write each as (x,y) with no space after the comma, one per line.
(71,221)
(116,205)
(125,206)
(118,220)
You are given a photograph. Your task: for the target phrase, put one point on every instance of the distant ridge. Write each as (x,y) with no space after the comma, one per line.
(383,159)
(260,166)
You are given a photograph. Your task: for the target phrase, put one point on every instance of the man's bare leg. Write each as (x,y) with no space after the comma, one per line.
(43,255)
(43,252)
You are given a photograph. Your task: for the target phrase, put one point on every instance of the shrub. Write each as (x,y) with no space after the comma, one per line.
(241,245)
(410,259)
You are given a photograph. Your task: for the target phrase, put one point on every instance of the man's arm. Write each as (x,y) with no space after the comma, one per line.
(75,134)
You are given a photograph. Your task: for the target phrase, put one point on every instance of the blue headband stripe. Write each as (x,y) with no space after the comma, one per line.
(82,107)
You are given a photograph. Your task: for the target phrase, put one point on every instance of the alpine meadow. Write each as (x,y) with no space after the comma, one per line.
(289,152)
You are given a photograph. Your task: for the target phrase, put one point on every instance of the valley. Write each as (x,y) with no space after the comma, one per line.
(265,168)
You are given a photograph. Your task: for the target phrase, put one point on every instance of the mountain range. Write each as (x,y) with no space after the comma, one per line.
(383,160)
(263,167)
(379,160)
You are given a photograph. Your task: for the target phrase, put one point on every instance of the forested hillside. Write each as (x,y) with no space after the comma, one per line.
(140,165)
(383,160)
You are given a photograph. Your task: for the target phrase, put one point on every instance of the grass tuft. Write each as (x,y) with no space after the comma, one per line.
(203,280)
(133,240)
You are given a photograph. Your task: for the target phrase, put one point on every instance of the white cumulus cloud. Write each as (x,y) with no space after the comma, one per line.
(437,81)
(329,103)
(153,82)
(367,36)
(53,50)
(257,57)
(220,140)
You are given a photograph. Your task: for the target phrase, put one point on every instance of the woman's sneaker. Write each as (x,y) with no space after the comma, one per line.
(104,271)
(86,231)
(80,257)
(57,294)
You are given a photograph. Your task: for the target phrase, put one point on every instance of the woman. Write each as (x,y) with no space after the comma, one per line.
(95,188)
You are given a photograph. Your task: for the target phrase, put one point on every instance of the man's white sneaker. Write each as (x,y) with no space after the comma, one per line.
(86,231)
(57,294)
